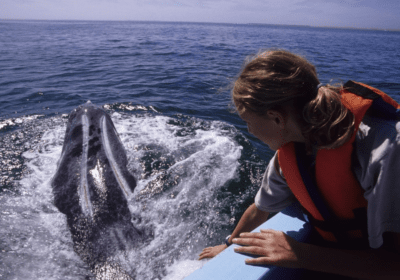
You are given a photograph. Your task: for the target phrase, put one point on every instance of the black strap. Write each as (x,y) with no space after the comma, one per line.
(306,167)
(360,90)
(332,224)
(379,107)
(358,223)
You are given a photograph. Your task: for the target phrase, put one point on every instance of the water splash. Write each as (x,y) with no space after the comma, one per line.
(185,168)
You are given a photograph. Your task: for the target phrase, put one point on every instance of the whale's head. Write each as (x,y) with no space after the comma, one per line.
(92,186)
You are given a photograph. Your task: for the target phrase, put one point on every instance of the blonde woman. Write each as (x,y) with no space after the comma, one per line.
(338,151)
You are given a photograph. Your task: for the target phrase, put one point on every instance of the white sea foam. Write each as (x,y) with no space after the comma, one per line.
(172,201)
(182,269)
(15,121)
(203,161)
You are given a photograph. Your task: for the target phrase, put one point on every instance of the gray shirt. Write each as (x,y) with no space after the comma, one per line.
(376,161)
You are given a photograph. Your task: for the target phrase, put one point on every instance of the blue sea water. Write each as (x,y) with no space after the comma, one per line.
(166,87)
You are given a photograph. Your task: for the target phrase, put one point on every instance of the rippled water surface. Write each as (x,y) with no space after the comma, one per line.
(165,87)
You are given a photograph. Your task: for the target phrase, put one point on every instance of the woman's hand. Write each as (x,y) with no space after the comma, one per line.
(211,252)
(273,248)
(251,219)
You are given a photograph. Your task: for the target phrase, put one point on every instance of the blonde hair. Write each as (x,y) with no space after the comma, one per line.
(277,79)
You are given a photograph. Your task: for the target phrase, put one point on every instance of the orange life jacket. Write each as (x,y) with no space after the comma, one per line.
(333,199)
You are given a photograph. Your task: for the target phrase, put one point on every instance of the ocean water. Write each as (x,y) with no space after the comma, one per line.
(165,86)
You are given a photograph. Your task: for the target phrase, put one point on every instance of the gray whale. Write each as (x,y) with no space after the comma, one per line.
(91,187)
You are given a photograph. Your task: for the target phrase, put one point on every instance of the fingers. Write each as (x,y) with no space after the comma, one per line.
(204,256)
(247,241)
(206,253)
(259,261)
(255,243)
(207,249)
(252,235)
(264,234)
(270,231)
(252,250)
(252,238)
(211,252)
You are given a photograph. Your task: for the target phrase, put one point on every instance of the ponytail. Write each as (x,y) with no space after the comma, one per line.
(328,123)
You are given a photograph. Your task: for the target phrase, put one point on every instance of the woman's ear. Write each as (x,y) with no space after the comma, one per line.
(276,117)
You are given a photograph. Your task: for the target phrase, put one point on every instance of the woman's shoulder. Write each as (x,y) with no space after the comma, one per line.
(376,130)
(376,164)
(376,140)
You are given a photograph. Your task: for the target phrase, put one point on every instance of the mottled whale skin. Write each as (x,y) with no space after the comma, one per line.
(91,187)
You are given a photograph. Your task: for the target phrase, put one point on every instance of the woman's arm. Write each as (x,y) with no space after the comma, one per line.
(251,218)
(277,248)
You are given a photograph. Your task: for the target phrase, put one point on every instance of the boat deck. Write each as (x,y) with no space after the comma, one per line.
(231,265)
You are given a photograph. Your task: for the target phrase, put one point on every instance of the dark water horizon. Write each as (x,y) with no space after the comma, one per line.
(166,87)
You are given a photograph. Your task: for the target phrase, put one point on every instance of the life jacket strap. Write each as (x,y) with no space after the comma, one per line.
(338,227)
(388,110)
